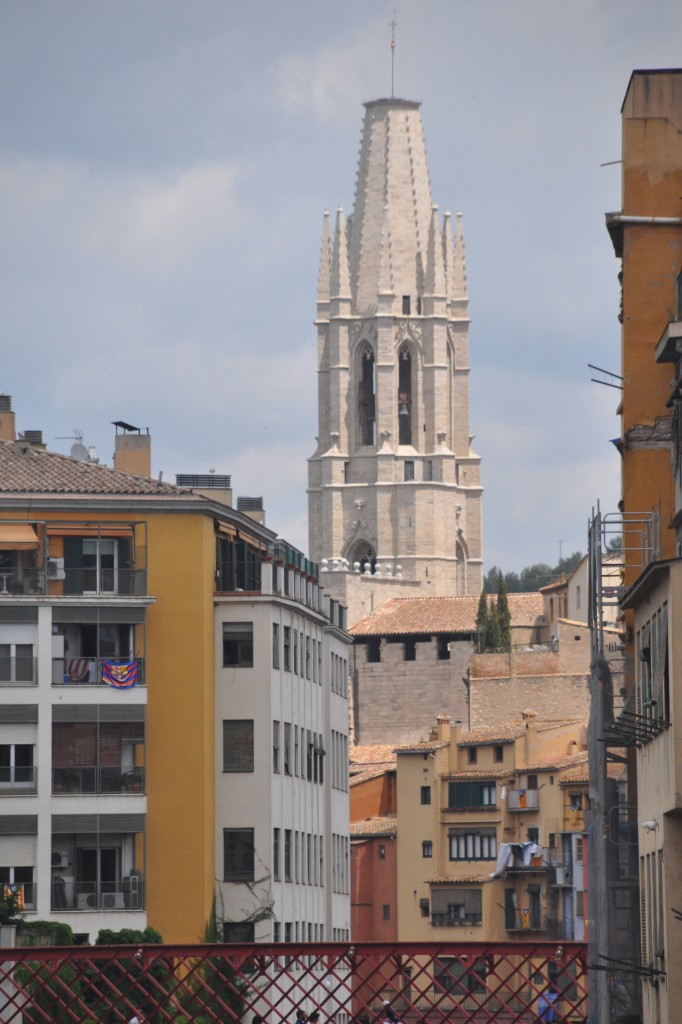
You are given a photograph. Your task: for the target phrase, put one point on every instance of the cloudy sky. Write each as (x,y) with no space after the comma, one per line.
(164,165)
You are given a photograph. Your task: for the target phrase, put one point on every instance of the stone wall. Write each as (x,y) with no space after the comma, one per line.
(554,697)
(397,701)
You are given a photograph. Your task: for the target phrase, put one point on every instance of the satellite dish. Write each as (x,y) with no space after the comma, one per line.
(80,452)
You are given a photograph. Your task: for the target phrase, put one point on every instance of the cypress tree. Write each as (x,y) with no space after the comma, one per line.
(493,640)
(482,621)
(503,614)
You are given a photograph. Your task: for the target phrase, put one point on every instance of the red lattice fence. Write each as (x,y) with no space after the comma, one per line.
(426,983)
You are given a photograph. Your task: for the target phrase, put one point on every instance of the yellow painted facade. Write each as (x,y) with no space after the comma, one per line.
(468,800)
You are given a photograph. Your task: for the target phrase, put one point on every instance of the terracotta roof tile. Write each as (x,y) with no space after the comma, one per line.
(501,732)
(460,880)
(556,761)
(28,470)
(375,754)
(380,826)
(405,615)
(495,773)
(365,774)
(422,746)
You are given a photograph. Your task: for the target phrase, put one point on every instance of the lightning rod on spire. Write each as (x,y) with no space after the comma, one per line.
(393,25)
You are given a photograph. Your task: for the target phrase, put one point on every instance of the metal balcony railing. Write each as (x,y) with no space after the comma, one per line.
(18,669)
(103,581)
(114,671)
(121,894)
(523,799)
(98,779)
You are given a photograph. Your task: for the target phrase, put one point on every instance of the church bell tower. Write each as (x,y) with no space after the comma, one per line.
(394,486)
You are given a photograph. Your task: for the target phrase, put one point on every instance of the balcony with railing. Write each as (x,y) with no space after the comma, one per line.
(98,779)
(121,673)
(126,893)
(523,800)
(528,858)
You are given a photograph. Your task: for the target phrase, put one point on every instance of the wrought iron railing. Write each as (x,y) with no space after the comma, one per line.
(472,983)
(98,779)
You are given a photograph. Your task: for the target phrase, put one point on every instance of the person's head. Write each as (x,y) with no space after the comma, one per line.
(314,1017)
(300,1015)
(386,1002)
(256,1019)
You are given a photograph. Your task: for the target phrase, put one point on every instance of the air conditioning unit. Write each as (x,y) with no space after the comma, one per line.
(55,569)
(60,860)
(87,901)
(113,901)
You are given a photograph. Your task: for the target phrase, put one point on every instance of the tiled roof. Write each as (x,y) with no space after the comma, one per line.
(495,773)
(25,469)
(380,826)
(374,754)
(556,761)
(460,880)
(421,747)
(362,774)
(405,615)
(502,732)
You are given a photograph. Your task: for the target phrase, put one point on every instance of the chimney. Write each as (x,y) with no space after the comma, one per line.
(133,452)
(253,508)
(8,430)
(34,438)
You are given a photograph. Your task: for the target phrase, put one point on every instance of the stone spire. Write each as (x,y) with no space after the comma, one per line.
(435,271)
(459,277)
(447,254)
(340,278)
(392,170)
(385,270)
(325,263)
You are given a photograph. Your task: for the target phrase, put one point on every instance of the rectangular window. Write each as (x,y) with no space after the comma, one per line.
(410,650)
(238,745)
(287,748)
(425,794)
(238,644)
(295,652)
(499,754)
(275,854)
(309,755)
(579,849)
(374,650)
(443,648)
(382,852)
(576,801)
(275,645)
(456,906)
(287,854)
(275,747)
(386,911)
(532,782)
(308,643)
(275,931)
(287,648)
(406,305)
(238,855)
(17,767)
(473,844)
(471,794)
(428,470)
(239,931)
(580,903)
(287,931)
(297,752)
(472,755)
(409,469)
(427,849)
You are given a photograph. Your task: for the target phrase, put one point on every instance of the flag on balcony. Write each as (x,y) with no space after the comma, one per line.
(78,670)
(16,893)
(121,674)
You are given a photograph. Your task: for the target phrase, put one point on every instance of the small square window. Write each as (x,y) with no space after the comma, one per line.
(427,848)
(238,644)
(426,794)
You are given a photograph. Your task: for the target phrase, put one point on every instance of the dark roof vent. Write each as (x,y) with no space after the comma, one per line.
(206,481)
(32,436)
(249,504)
(5,403)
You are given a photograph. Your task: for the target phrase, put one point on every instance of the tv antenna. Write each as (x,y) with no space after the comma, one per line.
(393,25)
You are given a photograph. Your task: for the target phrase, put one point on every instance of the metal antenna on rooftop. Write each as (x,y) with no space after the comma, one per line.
(393,25)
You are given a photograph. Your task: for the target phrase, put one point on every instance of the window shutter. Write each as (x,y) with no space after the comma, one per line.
(123,565)
(73,565)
